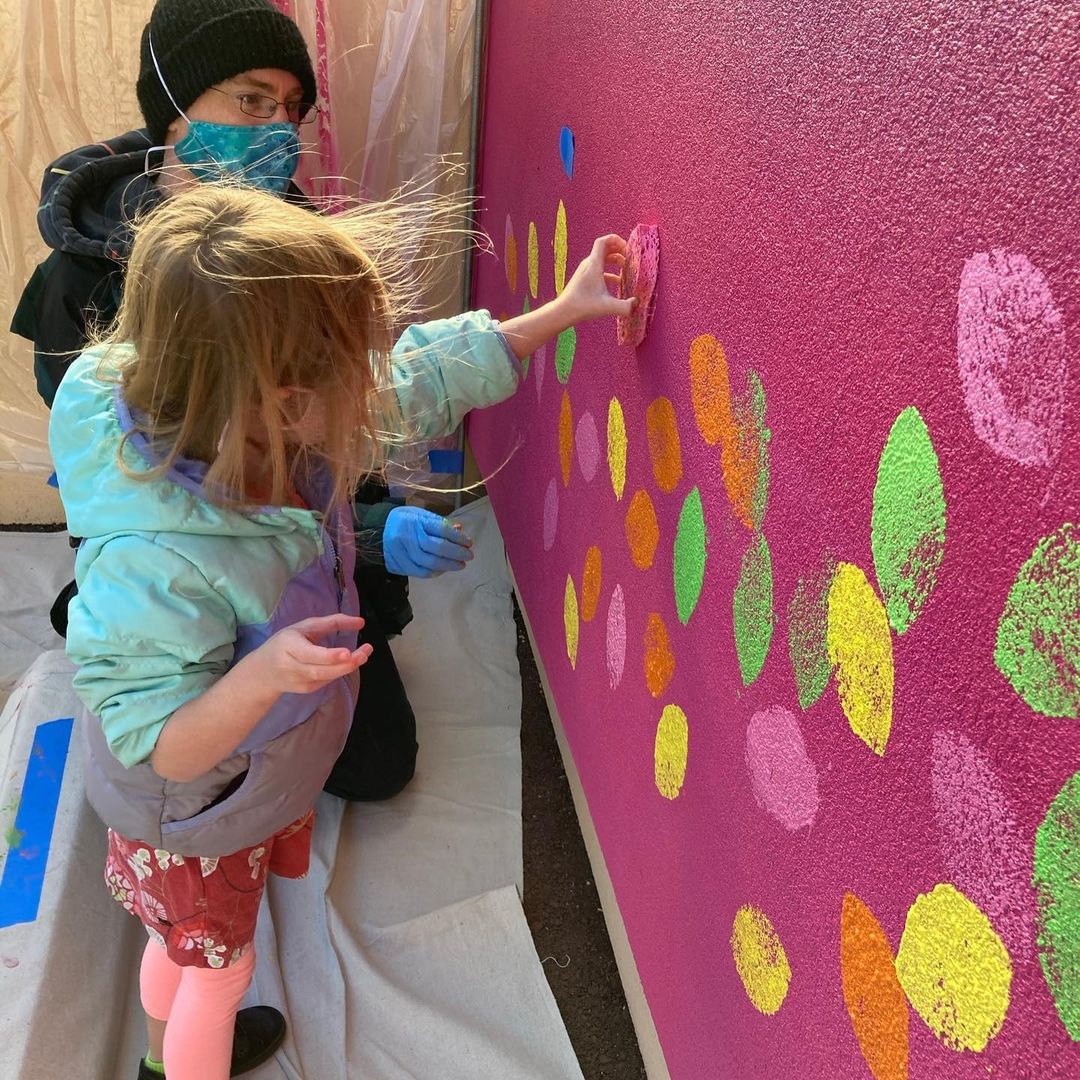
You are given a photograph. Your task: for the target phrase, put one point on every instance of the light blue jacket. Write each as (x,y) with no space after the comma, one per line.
(174,590)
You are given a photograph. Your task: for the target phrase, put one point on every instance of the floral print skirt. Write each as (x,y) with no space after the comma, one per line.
(203,911)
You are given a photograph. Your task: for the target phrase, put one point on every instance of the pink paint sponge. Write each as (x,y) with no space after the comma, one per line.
(639,279)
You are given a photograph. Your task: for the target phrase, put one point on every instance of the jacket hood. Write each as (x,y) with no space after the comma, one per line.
(90,196)
(88,422)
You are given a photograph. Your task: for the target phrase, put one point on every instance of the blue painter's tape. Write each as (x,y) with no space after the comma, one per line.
(446,461)
(53,482)
(29,840)
(566,151)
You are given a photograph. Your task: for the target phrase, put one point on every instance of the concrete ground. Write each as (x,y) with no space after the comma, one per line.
(561,902)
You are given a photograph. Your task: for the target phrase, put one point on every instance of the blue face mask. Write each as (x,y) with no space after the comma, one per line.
(262,155)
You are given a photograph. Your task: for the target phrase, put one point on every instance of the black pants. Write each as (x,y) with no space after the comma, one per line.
(379,758)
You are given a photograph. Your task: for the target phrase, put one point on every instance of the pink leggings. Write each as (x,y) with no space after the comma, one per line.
(199,1006)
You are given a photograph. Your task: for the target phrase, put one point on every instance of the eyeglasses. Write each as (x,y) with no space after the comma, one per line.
(263,107)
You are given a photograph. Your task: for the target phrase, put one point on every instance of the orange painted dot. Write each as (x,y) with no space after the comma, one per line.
(872,992)
(642,531)
(710,388)
(663,433)
(566,438)
(740,450)
(659,660)
(590,584)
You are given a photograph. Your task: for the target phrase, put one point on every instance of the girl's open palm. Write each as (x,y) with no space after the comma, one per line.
(295,663)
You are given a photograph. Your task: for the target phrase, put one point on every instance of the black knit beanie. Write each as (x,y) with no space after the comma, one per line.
(199,43)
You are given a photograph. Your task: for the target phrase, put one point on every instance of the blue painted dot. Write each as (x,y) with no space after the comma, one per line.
(566,151)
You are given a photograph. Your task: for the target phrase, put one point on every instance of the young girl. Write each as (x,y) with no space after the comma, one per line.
(206,451)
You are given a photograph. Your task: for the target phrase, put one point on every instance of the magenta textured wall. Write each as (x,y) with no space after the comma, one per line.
(804,568)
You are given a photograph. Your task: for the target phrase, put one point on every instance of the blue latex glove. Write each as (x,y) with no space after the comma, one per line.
(419,543)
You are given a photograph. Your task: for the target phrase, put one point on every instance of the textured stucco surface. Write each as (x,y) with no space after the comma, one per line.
(833,778)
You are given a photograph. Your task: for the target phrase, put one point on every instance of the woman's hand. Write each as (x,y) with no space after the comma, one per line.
(293,662)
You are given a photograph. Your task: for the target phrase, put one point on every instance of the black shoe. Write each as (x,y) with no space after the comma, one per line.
(259,1031)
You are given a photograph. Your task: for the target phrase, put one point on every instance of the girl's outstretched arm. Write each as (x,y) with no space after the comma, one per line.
(587,296)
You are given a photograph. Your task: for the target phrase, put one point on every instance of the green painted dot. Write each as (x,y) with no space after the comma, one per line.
(1038,637)
(528,359)
(808,621)
(690,540)
(564,354)
(752,609)
(1057,883)
(757,437)
(907,525)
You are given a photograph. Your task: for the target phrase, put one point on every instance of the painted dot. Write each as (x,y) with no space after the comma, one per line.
(954,969)
(528,359)
(670,751)
(590,584)
(808,615)
(1013,356)
(551,514)
(860,649)
(907,529)
(570,620)
(872,993)
(616,637)
(540,363)
(534,261)
(565,348)
(566,438)
(981,842)
(782,776)
(566,151)
(1057,883)
(511,255)
(659,660)
(642,531)
(662,430)
(1038,635)
(760,959)
(616,447)
(689,558)
(588,446)
(752,610)
(560,249)
(710,388)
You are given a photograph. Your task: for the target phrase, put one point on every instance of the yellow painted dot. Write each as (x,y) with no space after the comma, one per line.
(511,254)
(560,249)
(590,584)
(534,261)
(760,959)
(616,447)
(570,620)
(954,969)
(669,754)
(860,648)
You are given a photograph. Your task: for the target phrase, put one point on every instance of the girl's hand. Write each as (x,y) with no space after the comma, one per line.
(293,663)
(588,294)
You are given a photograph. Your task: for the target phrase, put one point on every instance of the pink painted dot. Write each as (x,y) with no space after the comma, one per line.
(588,445)
(551,514)
(540,363)
(1013,357)
(616,637)
(981,842)
(782,776)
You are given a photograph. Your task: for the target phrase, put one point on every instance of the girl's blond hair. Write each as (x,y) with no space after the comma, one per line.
(244,310)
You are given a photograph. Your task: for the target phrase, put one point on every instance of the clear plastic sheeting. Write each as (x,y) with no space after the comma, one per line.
(396,78)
